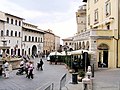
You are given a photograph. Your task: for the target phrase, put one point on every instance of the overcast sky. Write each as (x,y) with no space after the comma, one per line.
(57,15)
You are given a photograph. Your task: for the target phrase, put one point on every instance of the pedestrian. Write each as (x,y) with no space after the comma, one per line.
(30,70)
(6,69)
(27,64)
(41,64)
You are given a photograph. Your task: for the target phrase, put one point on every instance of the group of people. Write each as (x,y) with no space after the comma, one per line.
(25,67)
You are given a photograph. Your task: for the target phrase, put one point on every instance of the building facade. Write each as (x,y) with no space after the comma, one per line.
(24,38)
(12,33)
(79,41)
(32,41)
(103,31)
(57,43)
(68,44)
(49,42)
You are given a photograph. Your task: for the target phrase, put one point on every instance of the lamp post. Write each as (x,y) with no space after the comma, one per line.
(66,56)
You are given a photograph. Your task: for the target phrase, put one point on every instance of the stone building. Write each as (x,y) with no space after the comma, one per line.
(11,31)
(32,40)
(57,43)
(78,40)
(68,44)
(25,38)
(103,31)
(49,42)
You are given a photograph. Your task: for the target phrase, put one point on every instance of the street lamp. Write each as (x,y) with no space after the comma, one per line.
(66,56)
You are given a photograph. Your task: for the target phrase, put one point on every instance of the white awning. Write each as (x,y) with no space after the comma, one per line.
(77,52)
(55,53)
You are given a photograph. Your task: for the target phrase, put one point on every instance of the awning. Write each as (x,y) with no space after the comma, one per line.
(78,52)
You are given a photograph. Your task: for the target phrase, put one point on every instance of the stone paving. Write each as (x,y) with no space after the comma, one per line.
(107,79)
(104,79)
(50,74)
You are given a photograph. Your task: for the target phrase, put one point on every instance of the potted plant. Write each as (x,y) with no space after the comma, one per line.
(81,75)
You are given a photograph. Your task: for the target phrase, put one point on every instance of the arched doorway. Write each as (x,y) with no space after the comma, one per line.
(34,50)
(103,55)
(87,45)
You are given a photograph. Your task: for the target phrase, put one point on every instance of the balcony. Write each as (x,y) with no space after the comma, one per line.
(101,32)
(96,33)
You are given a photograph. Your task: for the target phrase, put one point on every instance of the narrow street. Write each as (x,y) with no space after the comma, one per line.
(50,74)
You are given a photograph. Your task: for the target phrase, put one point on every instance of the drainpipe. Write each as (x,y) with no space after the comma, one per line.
(118,36)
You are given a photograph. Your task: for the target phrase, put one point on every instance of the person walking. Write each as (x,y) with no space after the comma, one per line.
(41,64)
(30,70)
(27,64)
(6,69)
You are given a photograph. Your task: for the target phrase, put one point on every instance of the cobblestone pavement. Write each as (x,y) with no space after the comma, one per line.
(50,74)
(107,79)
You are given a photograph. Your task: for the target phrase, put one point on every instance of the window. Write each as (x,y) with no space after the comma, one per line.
(25,38)
(7,20)
(7,33)
(41,40)
(38,39)
(19,34)
(11,21)
(11,33)
(15,22)
(35,39)
(19,23)
(29,38)
(1,32)
(96,15)
(32,39)
(66,43)
(108,8)
(15,33)
(95,1)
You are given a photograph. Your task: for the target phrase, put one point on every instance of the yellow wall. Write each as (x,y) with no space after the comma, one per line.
(102,20)
(100,5)
(111,56)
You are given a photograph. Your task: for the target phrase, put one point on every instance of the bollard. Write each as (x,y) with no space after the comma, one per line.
(87,84)
(74,78)
(89,73)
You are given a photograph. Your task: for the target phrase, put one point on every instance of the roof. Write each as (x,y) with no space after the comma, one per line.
(37,30)
(14,16)
(46,31)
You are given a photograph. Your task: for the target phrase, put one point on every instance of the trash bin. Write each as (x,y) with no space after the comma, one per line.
(0,70)
(74,78)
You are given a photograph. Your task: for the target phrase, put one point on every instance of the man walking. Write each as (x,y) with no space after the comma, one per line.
(41,64)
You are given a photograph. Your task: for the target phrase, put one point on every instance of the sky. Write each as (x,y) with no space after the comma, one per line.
(56,15)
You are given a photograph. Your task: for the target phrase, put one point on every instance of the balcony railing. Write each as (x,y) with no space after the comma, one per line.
(94,33)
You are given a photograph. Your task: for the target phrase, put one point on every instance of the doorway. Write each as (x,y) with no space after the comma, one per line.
(105,58)
(103,55)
